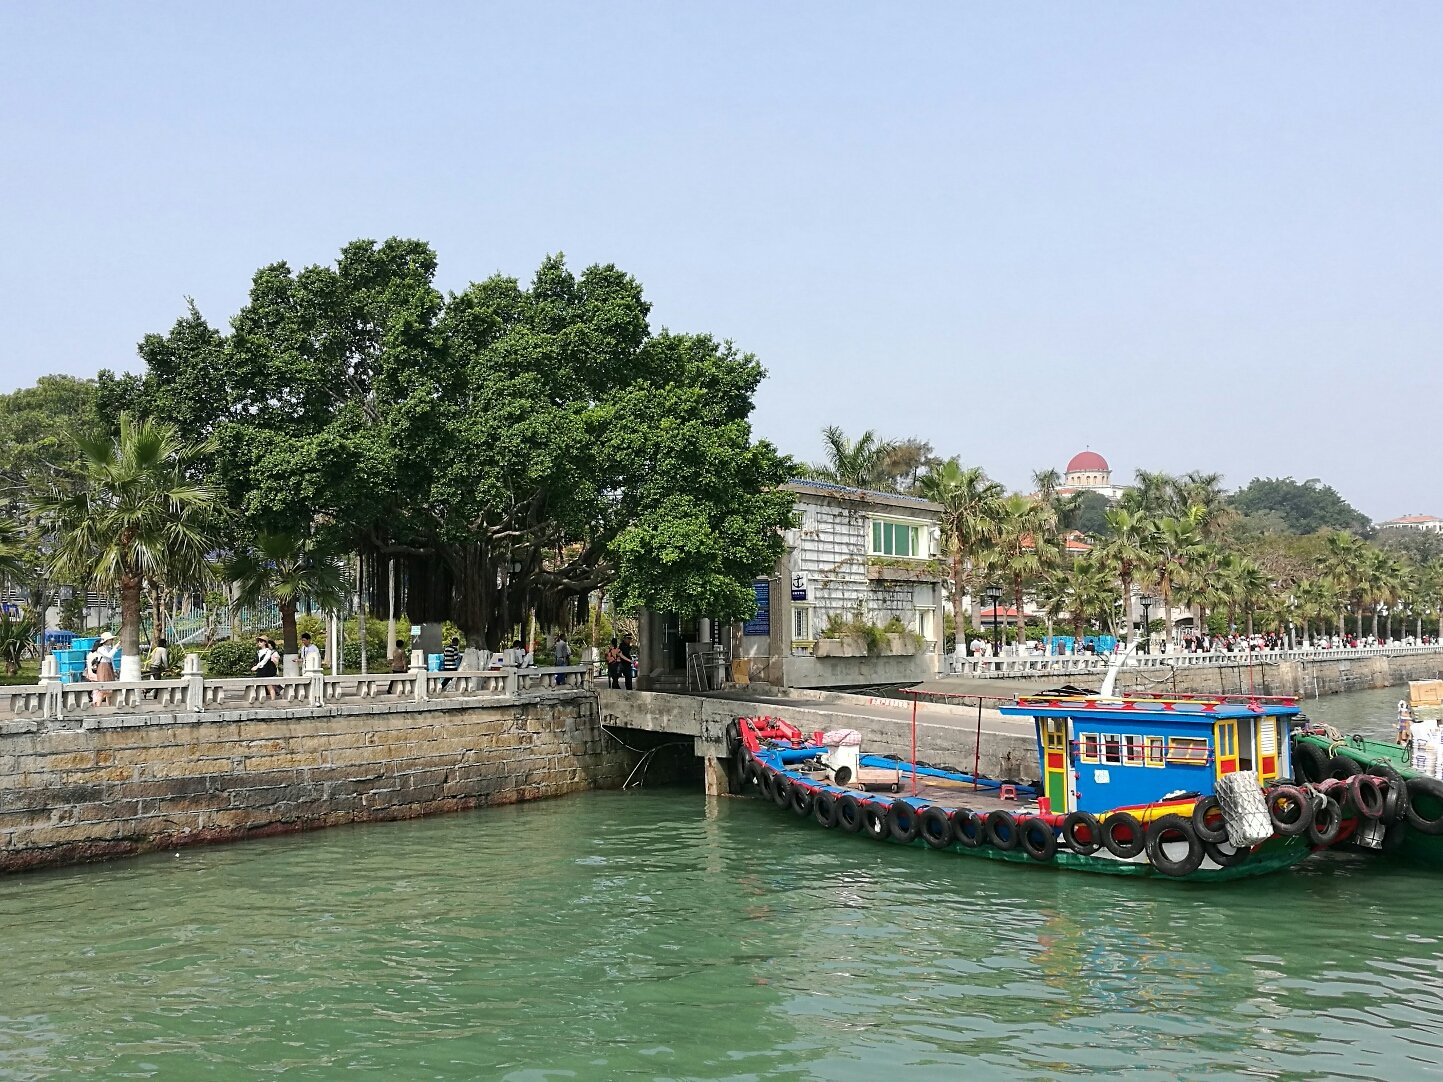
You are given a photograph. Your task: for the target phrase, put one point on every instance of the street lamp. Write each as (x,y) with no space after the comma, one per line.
(1146,601)
(993,593)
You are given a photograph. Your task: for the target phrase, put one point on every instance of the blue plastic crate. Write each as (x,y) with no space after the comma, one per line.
(86,645)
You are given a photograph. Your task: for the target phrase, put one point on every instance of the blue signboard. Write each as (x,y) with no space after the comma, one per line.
(761,623)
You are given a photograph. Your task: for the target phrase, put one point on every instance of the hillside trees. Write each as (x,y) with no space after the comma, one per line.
(1305,507)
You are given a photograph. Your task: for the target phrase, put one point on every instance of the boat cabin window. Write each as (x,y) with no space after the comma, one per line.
(1131,750)
(1187,749)
(1112,749)
(1087,747)
(1156,755)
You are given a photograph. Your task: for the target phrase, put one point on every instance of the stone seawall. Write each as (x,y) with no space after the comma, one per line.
(116,785)
(1304,677)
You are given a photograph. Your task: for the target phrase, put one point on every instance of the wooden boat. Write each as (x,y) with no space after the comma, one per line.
(1129,787)
(1411,817)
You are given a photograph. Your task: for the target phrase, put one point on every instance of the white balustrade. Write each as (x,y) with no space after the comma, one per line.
(195,693)
(1078,664)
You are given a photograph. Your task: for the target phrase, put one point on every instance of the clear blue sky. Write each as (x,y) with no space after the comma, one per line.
(1204,235)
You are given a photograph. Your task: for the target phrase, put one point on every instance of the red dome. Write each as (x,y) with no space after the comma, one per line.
(1087,462)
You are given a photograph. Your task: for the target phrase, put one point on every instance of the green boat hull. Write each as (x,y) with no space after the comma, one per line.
(1417,847)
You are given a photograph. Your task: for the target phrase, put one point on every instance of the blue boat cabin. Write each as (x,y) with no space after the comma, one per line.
(1099,754)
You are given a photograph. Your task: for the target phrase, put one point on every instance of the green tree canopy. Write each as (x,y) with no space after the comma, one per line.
(1306,506)
(514,447)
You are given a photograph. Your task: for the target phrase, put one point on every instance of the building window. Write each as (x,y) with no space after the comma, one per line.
(1132,750)
(1156,755)
(1112,749)
(895,539)
(801,623)
(926,624)
(1087,747)
(1188,749)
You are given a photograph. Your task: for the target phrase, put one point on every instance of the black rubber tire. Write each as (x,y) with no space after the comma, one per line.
(1165,831)
(1295,798)
(1123,823)
(1002,832)
(1309,762)
(1038,839)
(782,791)
(874,821)
(746,772)
(968,828)
(764,781)
(935,827)
(1327,823)
(903,822)
(1209,828)
(1224,855)
(824,808)
(1431,793)
(801,800)
(1394,836)
(1367,796)
(1343,767)
(1082,832)
(849,813)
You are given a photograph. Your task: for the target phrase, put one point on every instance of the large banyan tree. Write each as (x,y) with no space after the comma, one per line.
(513,449)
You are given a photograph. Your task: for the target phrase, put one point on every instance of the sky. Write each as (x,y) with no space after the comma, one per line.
(1187,236)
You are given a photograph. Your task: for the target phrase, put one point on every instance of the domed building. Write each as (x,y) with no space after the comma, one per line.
(1088,471)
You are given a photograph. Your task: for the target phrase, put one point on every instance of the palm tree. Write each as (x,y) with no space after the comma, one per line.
(970,502)
(1250,586)
(13,563)
(1204,490)
(1342,562)
(1021,551)
(863,463)
(128,511)
(1171,548)
(1047,482)
(283,567)
(1126,552)
(1079,590)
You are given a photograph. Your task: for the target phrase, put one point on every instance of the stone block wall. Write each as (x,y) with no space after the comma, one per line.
(117,785)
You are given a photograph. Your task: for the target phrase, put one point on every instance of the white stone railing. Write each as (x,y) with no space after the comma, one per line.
(196,693)
(1080,664)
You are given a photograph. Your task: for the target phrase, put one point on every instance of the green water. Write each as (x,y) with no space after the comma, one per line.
(657,935)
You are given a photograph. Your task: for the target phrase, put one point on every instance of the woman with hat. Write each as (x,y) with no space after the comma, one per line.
(100,665)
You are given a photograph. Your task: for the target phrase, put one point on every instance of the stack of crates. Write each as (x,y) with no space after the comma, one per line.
(71,662)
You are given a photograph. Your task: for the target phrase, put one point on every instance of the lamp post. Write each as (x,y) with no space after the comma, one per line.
(1146,600)
(993,593)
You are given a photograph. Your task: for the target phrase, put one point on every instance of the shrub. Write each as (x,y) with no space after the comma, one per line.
(230,658)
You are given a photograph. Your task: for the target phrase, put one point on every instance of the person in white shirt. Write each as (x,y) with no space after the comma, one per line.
(309,650)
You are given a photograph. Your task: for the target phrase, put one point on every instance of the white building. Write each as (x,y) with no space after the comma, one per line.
(855,556)
(1431,523)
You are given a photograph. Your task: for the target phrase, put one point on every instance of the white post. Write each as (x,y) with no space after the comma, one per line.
(53,685)
(194,682)
(337,623)
(418,670)
(317,677)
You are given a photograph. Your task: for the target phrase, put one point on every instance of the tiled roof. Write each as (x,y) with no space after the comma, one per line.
(1410,519)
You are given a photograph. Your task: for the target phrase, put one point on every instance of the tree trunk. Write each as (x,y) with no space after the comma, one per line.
(289,643)
(1127,625)
(390,604)
(1250,624)
(1167,608)
(1375,621)
(131,586)
(958,592)
(1020,631)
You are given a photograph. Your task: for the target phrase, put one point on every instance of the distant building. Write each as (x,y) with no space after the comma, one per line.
(1089,472)
(1431,523)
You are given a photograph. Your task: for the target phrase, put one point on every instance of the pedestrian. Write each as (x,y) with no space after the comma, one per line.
(265,666)
(561,656)
(157,662)
(614,661)
(309,652)
(100,666)
(451,658)
(516,656)
(628,651)
(400,663)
